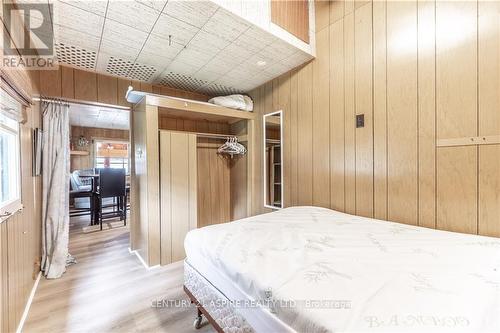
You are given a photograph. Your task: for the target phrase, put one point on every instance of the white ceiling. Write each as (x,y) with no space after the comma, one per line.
(99,117)
(211,50)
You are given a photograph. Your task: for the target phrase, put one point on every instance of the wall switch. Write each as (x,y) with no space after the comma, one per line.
(360,120)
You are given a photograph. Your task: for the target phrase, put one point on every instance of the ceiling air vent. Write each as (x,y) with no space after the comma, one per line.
(129,69)
(181,81)
(219,89)
(75,56)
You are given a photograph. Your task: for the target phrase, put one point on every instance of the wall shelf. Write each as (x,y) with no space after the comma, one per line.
(79,152)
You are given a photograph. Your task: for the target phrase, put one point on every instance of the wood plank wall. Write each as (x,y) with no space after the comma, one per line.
(79,162)
(214,172)
(20,236)
(72,83)
(293,16)
(419,71)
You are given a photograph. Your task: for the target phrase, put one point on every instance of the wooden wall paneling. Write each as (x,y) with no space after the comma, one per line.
(180,174)
(4,286)
(337,116)
(426,114)
(489,117)
(456,101)
(146,87)
(284,105)
(291,145)
(456,189)
(50,81)
(364,105)
(379,110)
(166,197)
(293,16)
(153,183)
(134,198)
(121,88)
(402,111)
(322,14)
(336,11)
(67,82)
(204,192)
(107,89)
(14,254)
(215,189)
(256,180)
(85,85)
(321,120)
(305,143)
(349,107)
(348,7)
(139,189)
(192,189)
(237,171)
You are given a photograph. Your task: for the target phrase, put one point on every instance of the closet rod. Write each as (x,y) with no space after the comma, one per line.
(76,101)
(215,136)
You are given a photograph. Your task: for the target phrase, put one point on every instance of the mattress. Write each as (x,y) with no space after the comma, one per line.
(312,269)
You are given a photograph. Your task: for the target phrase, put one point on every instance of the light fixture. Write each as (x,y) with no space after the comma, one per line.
(261,63)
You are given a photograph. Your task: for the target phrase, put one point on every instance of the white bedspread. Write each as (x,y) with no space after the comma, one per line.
(370,275)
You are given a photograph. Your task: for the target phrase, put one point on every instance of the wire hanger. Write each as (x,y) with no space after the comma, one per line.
(232,147)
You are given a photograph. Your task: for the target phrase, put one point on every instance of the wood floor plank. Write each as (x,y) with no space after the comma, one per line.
(109,290)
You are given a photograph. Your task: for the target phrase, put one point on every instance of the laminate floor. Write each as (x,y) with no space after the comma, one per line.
(109,290)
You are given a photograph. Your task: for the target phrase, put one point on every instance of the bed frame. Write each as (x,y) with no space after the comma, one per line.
(205,296)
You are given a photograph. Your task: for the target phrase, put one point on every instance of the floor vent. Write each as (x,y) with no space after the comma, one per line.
(75,56)
(129,69)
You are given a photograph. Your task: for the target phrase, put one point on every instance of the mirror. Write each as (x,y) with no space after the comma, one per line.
(273,158)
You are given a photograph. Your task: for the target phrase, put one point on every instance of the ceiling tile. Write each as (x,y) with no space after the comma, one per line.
(95,6)
(196,57)
(276,69)
(207,75)
(76,56)
(180,31)
(254,39)
(195,13)
(218,65)
(133,14)
(208,41)
(296,59)
(77,19)
(225,25)
(119,49)
(77,38)
(155,4)
(123,34)
(181,67)
(161,47)
(153,60)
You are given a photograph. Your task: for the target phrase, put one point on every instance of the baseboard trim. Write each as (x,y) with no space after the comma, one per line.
(28,304)
(142,260)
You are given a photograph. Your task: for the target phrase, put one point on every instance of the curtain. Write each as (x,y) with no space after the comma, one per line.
(55,192)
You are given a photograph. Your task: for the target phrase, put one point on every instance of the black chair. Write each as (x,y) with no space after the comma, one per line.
(77,194)
(112,185)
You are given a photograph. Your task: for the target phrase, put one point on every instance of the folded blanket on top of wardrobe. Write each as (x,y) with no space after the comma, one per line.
(239,102)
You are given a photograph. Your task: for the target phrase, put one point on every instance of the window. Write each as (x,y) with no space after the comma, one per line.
(10,171)
(111,154)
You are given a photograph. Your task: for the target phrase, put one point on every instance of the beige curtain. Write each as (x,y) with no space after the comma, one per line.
(55,200)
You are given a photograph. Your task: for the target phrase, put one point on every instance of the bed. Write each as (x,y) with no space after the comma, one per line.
(310,269)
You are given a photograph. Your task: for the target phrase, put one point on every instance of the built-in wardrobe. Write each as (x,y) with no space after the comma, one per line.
(179,179)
